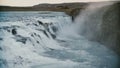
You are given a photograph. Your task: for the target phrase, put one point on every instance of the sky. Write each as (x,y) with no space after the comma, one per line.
(34,2)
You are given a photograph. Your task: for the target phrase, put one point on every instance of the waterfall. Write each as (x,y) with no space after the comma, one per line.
(88,22)
(100,22)
(82,33)
(51,40)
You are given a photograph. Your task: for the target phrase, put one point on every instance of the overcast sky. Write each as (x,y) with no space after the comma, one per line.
(34,2)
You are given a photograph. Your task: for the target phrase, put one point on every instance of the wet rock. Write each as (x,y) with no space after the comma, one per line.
(51,49)
(38,42)
(1,39)
(46,33)
(60,40)
(14,32)
(32,35)
(53,36)
(21,39)
(35,34)
(39,36)
(35,24)
(1,49)
(40,23)
(8,30)
(54,28)
(111,28)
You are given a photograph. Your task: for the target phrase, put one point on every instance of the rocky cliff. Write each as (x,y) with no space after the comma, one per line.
(103,26)
(110,35)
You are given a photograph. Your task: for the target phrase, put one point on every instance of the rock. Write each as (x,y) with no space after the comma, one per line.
(1,49)
(1,38)
(8,30)
(108,32)
(21,39)
(14,32)
(46,33)
(38,42)
(35,24)
(53,36)
(40,23)
(111,28)
(54,28)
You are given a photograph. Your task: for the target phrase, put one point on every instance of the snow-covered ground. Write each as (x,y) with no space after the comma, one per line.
(37,40)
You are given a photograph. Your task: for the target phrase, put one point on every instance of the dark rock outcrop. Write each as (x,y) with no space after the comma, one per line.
(1,49)
(40,23)
(1,39)
(14,32)
(110,35)
(21,39)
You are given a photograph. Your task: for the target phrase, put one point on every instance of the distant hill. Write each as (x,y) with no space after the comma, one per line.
(43,7)
(71,9)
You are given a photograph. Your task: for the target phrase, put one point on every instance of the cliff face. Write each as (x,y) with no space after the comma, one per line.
(110,35)
(103,26)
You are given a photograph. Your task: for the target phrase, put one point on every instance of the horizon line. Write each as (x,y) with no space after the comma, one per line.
(53,3)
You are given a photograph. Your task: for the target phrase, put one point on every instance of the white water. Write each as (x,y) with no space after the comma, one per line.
(32,48)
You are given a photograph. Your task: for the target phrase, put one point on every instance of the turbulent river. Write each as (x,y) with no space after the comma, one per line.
(44,40)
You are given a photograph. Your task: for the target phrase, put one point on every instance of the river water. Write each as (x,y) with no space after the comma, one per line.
(38,40)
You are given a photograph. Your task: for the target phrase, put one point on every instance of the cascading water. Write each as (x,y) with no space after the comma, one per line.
(86,26)
(50,40)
